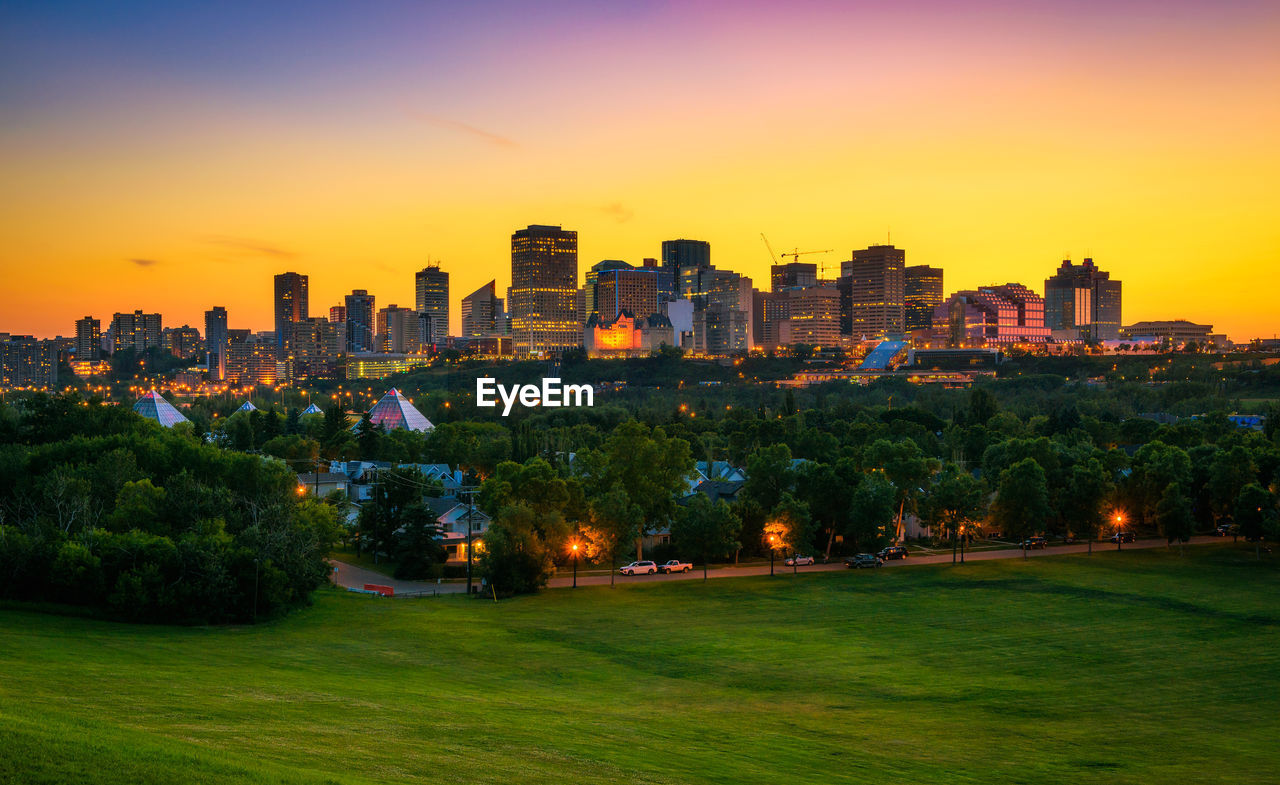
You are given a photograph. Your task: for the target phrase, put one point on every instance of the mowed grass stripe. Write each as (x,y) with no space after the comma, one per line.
(1112,668)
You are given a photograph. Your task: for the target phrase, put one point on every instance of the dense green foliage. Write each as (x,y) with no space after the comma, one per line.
(1131,667)
(103,509)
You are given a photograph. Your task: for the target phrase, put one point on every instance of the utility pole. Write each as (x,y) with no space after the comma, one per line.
(471,509)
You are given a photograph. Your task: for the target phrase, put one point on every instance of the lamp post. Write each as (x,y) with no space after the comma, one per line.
(1119,531)
(772,539)
(575,565)
(255,591)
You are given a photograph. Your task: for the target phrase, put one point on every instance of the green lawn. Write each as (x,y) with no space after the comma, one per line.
(1131,667)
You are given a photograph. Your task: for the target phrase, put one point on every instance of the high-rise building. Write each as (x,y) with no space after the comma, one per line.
(337,313)
(400,330)
(872,289)
(483,314)
(922,293)
(317,349)
(723,313)
(1082,302)
(432,289)
(88,338)
(290,306)
(614,287)
(793,275)
(544,291)
(181,341)
(26,361)
(137,331)
(215,342)
(360,322)
(679,254)
(250,362)
(813,317)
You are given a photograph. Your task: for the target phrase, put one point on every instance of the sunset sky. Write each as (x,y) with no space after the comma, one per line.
(172,159)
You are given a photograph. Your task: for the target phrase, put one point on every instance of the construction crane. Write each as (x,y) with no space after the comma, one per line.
(770,247)
(796,253)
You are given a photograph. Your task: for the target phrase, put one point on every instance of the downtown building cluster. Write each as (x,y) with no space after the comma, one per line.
(677,299)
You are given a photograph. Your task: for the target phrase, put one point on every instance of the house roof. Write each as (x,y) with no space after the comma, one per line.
(395,411)
(153,406)
(326,478)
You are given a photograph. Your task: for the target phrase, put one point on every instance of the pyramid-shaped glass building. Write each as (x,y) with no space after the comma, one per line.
(154,407)
(395,411)
(313,409)
(247,406)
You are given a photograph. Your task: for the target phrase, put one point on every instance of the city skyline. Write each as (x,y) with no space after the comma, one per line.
(159,157)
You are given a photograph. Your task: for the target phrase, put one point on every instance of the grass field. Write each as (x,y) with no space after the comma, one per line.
(1132,667)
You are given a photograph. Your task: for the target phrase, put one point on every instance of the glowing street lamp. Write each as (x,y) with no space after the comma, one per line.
(773,543)
(574,548)
(1119,519)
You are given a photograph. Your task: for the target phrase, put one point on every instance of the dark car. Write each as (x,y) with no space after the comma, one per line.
(863,560)
(893,552)
(1122,537)
(1226,530)
(1035,542)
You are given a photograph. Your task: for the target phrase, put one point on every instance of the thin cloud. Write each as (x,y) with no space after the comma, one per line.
(618,211)
(453,125)
(250,247)
(145,262)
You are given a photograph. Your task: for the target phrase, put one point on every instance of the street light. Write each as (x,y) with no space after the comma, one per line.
(575,565)
(1119,529)
(772,540)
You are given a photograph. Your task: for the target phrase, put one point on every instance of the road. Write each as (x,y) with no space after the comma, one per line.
(351,576)
(562,580)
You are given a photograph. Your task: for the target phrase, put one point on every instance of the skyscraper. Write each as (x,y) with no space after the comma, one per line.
(215,342)
(431,285)
(922,293)
(317,349)
(793,275)
(290,306)
(399,329)
(872,289)
(613,287)
(137,331)
(685,260)
(360,322)
(544,291)
(88,338)
(1083,302)
(483,314)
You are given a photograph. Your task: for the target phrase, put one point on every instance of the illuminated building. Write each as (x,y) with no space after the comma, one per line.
(250,362)
(28,362)
(316,349)
(337,313)
(431,286)
(678,255)
(1176,332)
(86,368)
(360,322)
(813,317)
(613,287)
(483,313)
(990,316)
(1083,302)
(183,342)
(215,342)
(290,306)
(922,291)
(544,291)
(138,331)
(88,338)
(627,336)
(394,411)
(873,296)
(153,406)
(380,366)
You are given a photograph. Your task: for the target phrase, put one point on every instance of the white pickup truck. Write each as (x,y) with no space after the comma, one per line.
(675,565)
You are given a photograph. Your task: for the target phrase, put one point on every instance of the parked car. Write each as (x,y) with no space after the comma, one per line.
(798,561)
(893,552)
(1226,530)
(863,560)
(1035,542)
(1122,537)
(639,568)
(675,565)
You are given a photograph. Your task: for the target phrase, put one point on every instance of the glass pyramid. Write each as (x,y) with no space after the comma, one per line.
(247,406)
(395,411)
(154,407)
(313,409)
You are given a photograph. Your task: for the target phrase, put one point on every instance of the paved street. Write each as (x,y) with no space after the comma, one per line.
(564,579)
(351,576)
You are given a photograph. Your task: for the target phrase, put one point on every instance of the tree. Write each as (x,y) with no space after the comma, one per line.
(769,476)
(871,511)
(906,467)
(417,543)
(138,506)
(982,406)
(1156,466)
(518,549)
(796,524)
(1088,487)
(1255,512)
(1173,514)
(1230,471)
(956,499)
(612,520)
(706,530)
(1022,506)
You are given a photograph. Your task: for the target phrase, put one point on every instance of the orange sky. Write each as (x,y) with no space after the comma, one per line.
(990,144)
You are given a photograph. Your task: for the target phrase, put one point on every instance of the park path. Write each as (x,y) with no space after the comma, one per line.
(740,571)
(351,576)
